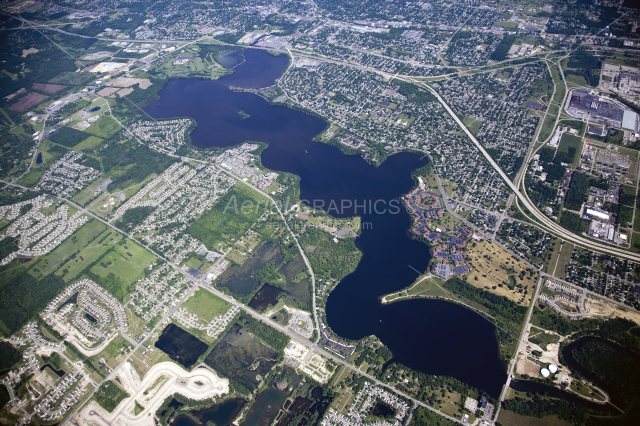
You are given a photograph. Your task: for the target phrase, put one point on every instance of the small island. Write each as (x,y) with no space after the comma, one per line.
(243,114)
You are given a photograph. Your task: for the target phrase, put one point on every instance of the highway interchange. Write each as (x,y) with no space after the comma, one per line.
(521,196)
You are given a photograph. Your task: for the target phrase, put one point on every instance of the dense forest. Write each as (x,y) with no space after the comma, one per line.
(425,417)
(22,296)
(499,306)
(134,217)
(138,162)
(617,369)
(268,335)
(8,356)
(328,258)
(539,406)
(68,136)
(502,49)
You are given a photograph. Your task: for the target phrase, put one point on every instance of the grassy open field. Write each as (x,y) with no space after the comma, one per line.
(507,25)
(425,286)
(85,196)
(127,262)
(472,124)
(89,143)
(559,96)
(88,254)
(569,141)
(229,218)
(78,240)
(104,127)
(551,264)
(547,128)
(205,305)
(577,80)
(447,220)
(564,256)
(492,269)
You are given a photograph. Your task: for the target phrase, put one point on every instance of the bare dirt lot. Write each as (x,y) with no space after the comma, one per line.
(107,91)
(601,308)
(13,95)
(130,81)
(28,101)
(27,52)
(124,92)
(47,88)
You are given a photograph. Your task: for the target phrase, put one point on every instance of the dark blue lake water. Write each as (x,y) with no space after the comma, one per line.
(431,336)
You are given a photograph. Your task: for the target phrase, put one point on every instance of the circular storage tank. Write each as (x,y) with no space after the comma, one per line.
(544,372)
(553,369)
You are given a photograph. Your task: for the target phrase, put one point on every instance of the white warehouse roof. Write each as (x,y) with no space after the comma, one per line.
(599,215)
(630,120)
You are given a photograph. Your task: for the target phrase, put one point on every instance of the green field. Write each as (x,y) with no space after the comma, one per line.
(547,128)
(569,141)
(109,396)
(230,217)
(104,127)
(88,144)
(74,244)
(127,262)
(88,255)
(205,305)
(507,25)
(472,124)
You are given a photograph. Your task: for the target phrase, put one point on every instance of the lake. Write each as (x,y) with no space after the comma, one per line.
(430,336)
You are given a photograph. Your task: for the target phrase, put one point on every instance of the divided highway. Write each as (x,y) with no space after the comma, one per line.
(545,222)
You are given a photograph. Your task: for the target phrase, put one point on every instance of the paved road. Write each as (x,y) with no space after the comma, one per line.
(545,222)
(521,341)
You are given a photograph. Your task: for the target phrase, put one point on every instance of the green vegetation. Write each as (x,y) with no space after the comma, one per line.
(137,409)
(499,306)
(619,369)
(539,406)
(269,275)
(230,218)
(133,162)
(472,124)
(415,93)
(582,63)
(425,417)
(67,136)
(22,296)
(109,395)
(578,191)
(573,222)
(120,267)
(502,49)
(205,305)
(134,217)
(8,356)
(569,146)
(268,335)
(328,258)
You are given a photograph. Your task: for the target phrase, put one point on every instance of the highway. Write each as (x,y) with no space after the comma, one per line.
(545,223)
